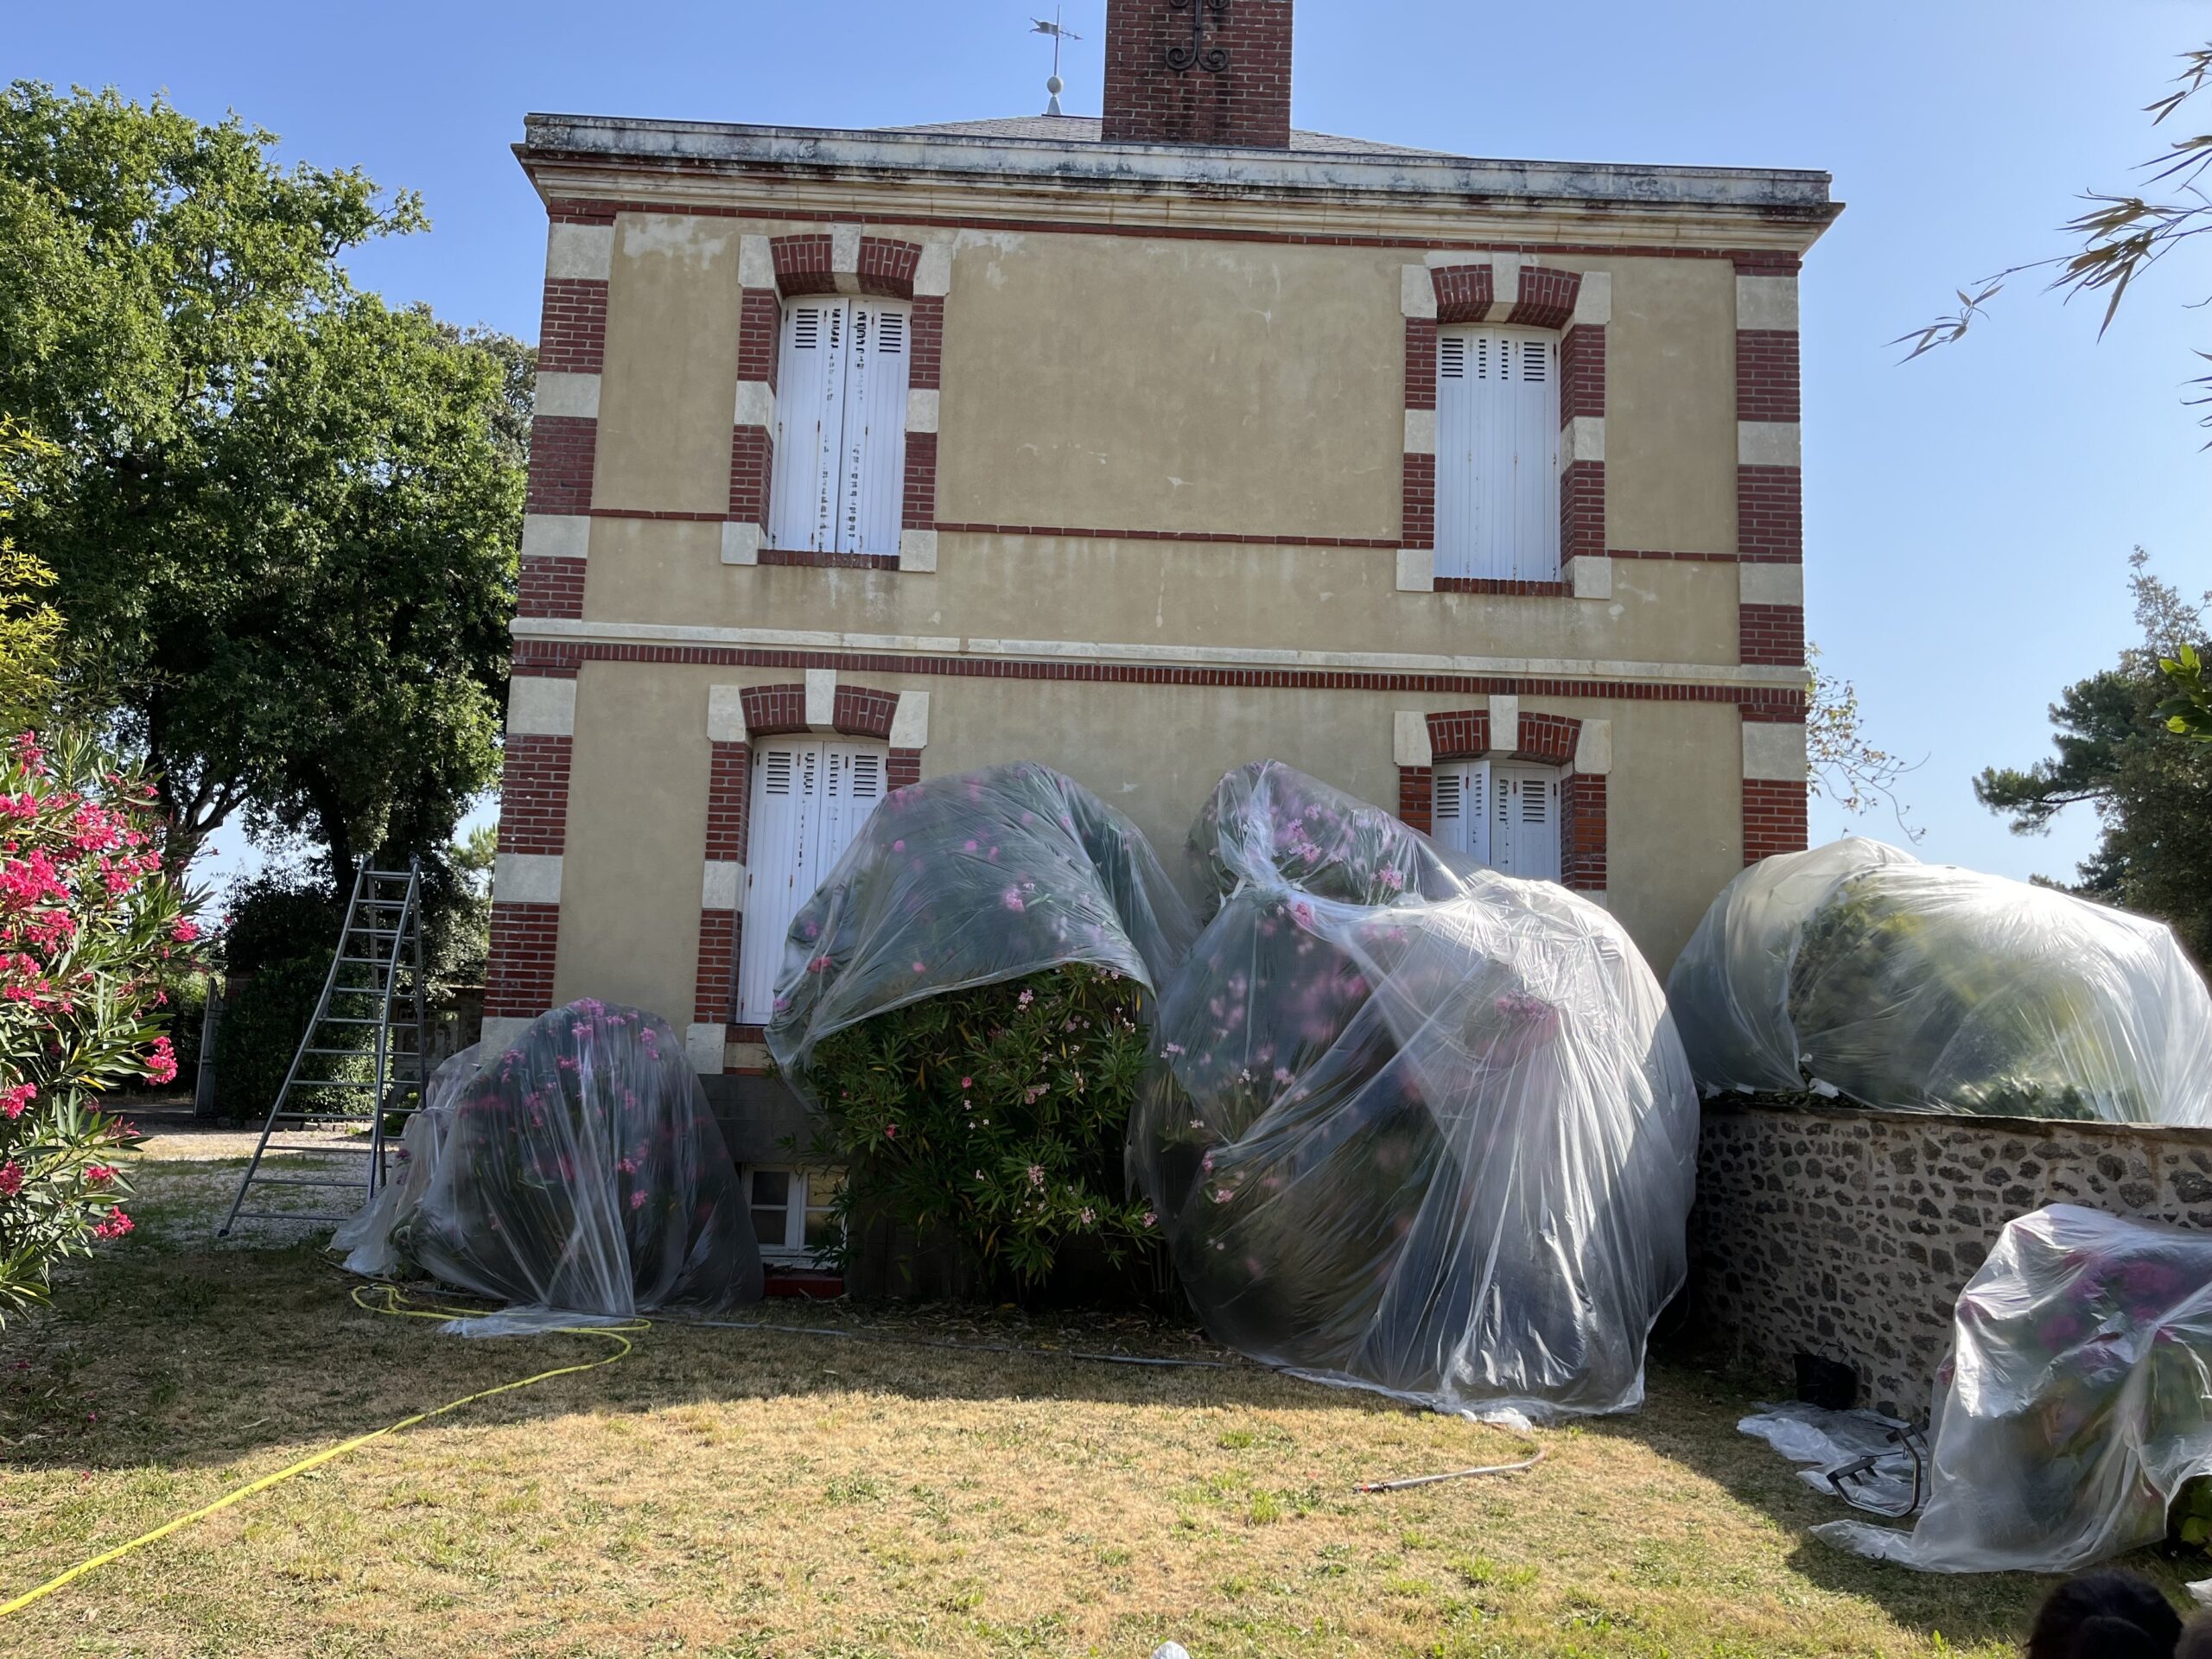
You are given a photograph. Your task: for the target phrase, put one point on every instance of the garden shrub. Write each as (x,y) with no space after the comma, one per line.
(1434,1136)
(583,1171)
(92,935)
(1912,987)
(994,1118)
(987,951)
(260,1033)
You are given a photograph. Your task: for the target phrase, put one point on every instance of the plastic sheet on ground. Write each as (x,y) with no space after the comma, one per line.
(1825,1440)
(970,880)
(2076,1400)
(1856,969)
(1416,1126)
(584,1175)
(367,1237)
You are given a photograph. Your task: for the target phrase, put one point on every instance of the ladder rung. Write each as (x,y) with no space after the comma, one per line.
(348,1148)
(260,1179)
(286,1214)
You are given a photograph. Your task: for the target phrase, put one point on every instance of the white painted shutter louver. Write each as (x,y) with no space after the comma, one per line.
(1526,822)
(810,800)
(811,375)
(777,836)
(1459,809)
(874,485)
(1497,454)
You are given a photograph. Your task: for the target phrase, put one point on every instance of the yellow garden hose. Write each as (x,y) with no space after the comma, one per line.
(375,1299)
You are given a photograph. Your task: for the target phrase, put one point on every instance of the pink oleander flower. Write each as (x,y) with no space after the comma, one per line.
(967,1082)
(637,1200)
(1036,1174)
(11,1179)
(161,1063)
(1392,880)
(1150,1219)
(1088,1218)
(891,1131)
(99,1174)
(14,1102)
(1025,999)
(115,1226)
(1011,899)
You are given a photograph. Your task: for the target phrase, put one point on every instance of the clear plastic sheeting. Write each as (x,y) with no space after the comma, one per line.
(1826,1442)
(582,1174)
(367,1238)
(2076,1400)
(970,880)
(1857,970)
(1415,1127)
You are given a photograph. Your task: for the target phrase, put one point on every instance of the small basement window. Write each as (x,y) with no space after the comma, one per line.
(792,1216)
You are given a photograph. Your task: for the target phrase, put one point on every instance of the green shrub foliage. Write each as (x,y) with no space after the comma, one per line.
(992,1117)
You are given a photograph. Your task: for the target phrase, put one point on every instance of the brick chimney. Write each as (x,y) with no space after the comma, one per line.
(1198,72)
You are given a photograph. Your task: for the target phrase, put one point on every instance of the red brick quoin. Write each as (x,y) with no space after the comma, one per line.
(1464,734)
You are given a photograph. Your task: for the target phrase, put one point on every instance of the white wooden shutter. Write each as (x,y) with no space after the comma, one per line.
(809,799)
(1526,820)
(811,375)
(1458,810)
(853,784)
(873,487)
(784,800)
(1497,454)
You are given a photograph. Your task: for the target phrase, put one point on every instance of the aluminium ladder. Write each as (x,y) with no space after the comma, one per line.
(375,979)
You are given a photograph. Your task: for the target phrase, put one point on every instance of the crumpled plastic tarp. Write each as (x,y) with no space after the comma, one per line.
(2076,1400)
(1415,1127)
(583,1174)
(1825,1440)
(1857,970)
(969,880)
(367,1237)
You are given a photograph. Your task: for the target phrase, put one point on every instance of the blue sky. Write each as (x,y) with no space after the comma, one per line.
(1968,516)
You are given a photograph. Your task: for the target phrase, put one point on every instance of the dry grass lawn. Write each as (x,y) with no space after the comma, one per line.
(728,1492)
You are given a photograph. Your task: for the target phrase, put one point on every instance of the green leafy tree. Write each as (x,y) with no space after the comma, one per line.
(283,515)
(2188,708)
(30,629)
(2152,791)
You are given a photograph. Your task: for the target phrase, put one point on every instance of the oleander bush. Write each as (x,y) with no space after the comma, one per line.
(94,936)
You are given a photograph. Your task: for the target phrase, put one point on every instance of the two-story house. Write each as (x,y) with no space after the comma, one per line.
(1142,447)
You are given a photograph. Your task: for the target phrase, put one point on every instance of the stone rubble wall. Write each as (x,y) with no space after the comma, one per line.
(1849,1234)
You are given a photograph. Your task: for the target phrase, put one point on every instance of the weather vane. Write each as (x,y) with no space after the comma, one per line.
(1055,86)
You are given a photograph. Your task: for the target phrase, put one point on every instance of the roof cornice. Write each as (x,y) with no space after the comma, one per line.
(920,177)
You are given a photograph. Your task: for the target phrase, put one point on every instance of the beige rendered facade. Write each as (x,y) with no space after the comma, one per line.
(1166,491)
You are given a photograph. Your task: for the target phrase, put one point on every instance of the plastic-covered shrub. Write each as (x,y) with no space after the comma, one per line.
(965,1000)
(971,879)
(1857,970)
(2074,1405)
(582,1171)
(1436,1137)
(368,1238)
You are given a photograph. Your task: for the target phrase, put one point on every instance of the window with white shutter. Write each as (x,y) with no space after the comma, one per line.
(1504,814)
(841,427)
(810,799)
(1497,453)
